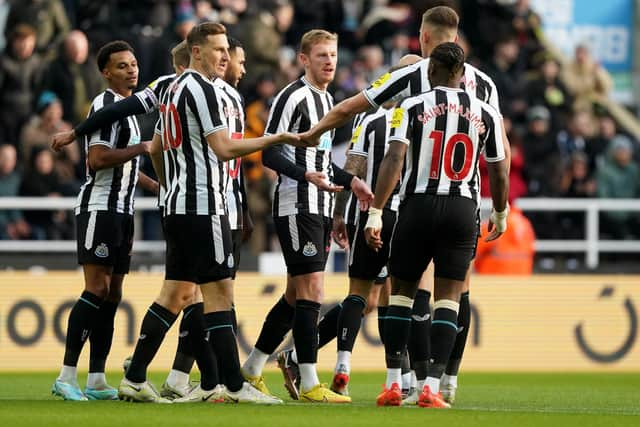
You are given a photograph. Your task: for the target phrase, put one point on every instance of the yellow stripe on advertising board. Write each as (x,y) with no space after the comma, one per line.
(539,323)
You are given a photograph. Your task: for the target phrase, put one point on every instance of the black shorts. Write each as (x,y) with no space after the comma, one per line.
(439,228)
(105,238)
(305,242)
(236,241)
(364,262)
(199,248)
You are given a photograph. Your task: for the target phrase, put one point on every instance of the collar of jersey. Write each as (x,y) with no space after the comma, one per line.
(117,95)
(191,70)
(312,87)
(451,89)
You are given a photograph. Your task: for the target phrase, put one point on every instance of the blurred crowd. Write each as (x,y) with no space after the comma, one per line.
(564,143)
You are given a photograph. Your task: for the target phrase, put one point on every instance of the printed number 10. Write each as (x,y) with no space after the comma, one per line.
(450,145)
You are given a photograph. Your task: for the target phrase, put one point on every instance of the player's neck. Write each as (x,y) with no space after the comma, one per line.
(320,86)
(124,92)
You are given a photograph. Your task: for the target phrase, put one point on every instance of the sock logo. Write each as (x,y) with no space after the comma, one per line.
(142,336)
(85,335)
(344,334)
(309,249)
(230,261)
(421,318)
(183,334)
(102,251)
(460,329)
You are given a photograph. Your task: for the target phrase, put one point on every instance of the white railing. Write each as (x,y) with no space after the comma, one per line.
(591,245)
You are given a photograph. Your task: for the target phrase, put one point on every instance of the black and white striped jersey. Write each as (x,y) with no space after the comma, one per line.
(414,79)
(190,110)
(110,189)
(296,109)
(151,95)
(446,131)
(370,141)
(233,107)
(150,98)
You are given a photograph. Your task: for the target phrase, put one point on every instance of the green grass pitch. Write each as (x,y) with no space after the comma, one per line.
(483,400)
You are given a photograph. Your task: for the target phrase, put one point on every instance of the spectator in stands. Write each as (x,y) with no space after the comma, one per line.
(618,177)
(48,17)
(325,14)
(398,47)
(12,223)
(577,181)
(513,252)
(20,78)
(73,77)
(185,20)
(550,91)
(372,59)
(38,132)
(508,77)
(542,158)
(578,135)
(40,180)
(586,79)
(597,148)
(261,34)
(527,25)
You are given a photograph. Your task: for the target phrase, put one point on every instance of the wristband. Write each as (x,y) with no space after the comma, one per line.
(375,219)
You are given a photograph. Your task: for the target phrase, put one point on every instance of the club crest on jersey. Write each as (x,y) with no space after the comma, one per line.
(381,80)
(309,249)
(230,261)
(102,251)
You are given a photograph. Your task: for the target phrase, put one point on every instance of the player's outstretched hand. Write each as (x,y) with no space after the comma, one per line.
(310,139)
(339,232)
(320,180)
(61,139)
(362,192)
(497,224)
(373,228)
(291,139)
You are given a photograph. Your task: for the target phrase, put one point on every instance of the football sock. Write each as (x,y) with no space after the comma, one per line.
(202,350)
(155,325)
(275,327)
(419,338)
(82,318)
(177,378)
(382,315)
(396,330)
(183,361)
(305,330)
(464,322)
(449,379)
(101,336)
(328,326)
(68,374)
(343,362)
(96,380)
(394,375)
(308,376)
(405,370)
(349,321)
(443,336)
(255,362)
(219,325)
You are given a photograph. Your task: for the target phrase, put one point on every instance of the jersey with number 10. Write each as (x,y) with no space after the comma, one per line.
(446,131)
(190,110)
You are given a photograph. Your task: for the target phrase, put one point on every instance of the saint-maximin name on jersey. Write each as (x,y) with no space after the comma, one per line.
(110,189)
(446,131)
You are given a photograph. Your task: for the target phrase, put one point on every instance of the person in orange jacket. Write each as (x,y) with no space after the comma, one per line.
(511,254)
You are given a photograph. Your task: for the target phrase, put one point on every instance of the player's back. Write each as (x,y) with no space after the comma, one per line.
(196,179)
(446,130)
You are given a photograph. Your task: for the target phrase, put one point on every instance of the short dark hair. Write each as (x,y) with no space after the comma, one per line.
(112,47)
(234,43)
(448,55)
(441,16)
(199,33)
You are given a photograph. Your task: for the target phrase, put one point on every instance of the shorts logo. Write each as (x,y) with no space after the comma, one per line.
(102,251)
(383,273)
(309,249)
(230,261)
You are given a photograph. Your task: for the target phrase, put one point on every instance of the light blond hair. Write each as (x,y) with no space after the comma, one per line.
(313,37)
(181,54)
(441,18)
